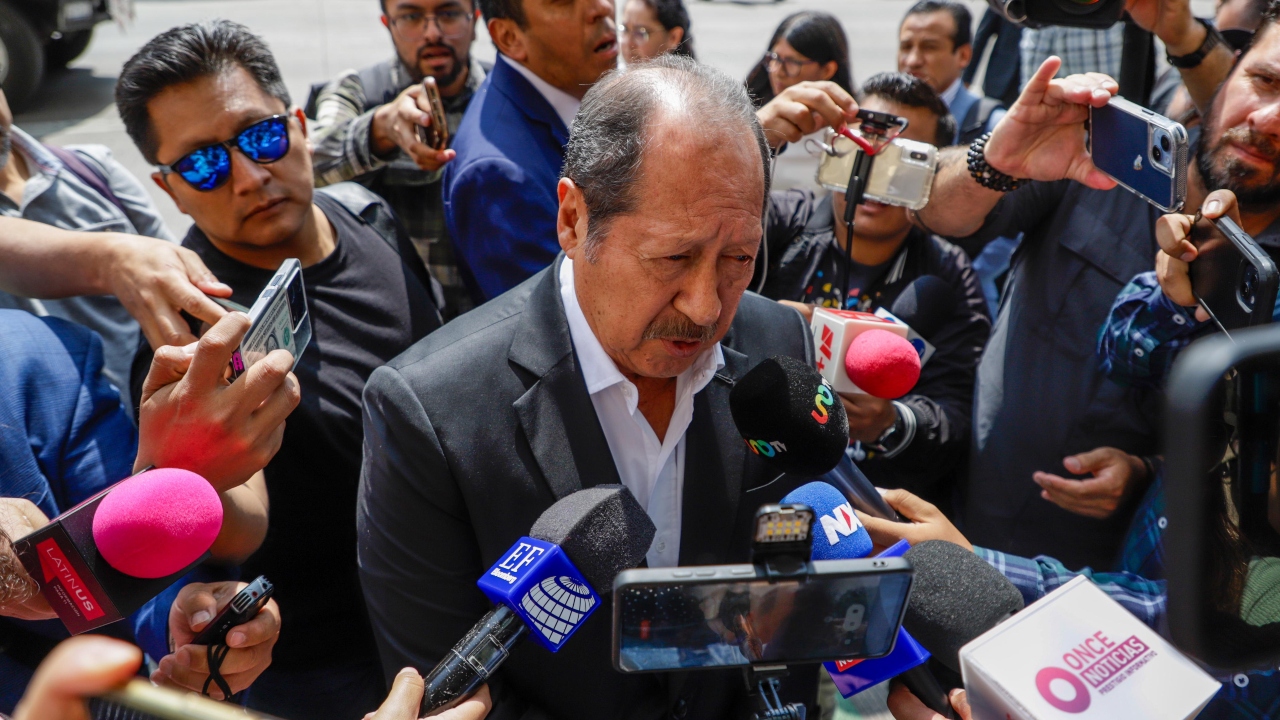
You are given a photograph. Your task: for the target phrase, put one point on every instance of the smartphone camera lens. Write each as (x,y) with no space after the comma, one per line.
(1249,286)
(1165,144)
(1155,152)
(917,155)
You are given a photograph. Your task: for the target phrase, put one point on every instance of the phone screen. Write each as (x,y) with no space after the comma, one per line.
(681,625)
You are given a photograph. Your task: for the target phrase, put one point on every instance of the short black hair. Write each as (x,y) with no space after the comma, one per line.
(183,54)
(509,9)
(964,21)
(911,91)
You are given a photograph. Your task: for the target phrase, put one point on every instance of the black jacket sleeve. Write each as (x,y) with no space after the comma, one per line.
(942,401)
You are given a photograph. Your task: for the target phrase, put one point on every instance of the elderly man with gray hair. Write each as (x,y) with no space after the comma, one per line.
(613,365)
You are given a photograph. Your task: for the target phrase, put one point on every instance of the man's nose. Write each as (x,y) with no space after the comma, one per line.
(911,58)
(1266,120)
(598,10)
(699,298)
(433,35)
(247,176)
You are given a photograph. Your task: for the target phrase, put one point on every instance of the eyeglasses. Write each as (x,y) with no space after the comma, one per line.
(208,168)
(637,34)
(452,22)
(789,67)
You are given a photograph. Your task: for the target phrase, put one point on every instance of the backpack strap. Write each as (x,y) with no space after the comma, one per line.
(88,174)
(371,210)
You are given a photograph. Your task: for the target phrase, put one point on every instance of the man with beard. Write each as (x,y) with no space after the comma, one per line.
(500,194)
(77,188)
(367,120)
(1041,402)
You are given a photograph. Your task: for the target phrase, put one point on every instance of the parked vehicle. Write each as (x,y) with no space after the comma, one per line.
(41,35)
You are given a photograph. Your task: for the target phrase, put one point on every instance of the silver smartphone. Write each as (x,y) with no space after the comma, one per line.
(722,616)
(1142,150)
(901,175)
(140,700)
(280,320)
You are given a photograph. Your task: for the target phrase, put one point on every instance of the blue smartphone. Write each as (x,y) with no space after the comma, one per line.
(1142,150)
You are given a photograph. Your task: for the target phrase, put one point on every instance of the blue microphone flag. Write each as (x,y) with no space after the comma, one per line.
(837,532)
(539,583)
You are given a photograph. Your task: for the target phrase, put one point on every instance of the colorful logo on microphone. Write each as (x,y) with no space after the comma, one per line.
(823,400)
(842,522)
(557,606)
(767,448)
(1097,663)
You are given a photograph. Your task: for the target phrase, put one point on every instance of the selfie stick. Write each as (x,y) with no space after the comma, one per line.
(878,126)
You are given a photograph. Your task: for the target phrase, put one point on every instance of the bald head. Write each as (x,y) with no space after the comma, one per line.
(660,114)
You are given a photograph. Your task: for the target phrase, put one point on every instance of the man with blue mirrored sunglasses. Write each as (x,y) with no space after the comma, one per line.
(206,104)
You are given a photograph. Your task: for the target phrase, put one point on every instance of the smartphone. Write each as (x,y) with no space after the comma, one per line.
(1142,150)
(722,616)
(1233,278)
(140,700)
(901,174)
(437,135)
(243,607)
(280,320)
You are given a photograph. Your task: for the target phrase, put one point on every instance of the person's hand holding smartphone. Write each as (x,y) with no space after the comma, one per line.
(412,123)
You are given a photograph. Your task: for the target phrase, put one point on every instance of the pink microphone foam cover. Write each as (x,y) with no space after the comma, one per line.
(157,523)
(882,364)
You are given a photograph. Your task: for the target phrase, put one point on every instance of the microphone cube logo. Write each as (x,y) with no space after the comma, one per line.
(842,522)
(1098,661)
(537,581)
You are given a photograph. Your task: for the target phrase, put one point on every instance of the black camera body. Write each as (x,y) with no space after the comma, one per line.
(1095,14)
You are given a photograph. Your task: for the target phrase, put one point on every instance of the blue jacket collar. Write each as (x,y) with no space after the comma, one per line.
(527,99)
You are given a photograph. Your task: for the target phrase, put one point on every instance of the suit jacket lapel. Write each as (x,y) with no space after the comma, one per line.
(526,97)
(715,462)
(555,412)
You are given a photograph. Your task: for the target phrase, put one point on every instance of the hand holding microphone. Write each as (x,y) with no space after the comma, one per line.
(926,522)
(903,705)
(19,594)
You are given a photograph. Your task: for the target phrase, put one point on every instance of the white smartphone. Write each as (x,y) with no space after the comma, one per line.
(902,173)
(280,320)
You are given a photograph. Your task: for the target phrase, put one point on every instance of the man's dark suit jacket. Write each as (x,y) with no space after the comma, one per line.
(476,430)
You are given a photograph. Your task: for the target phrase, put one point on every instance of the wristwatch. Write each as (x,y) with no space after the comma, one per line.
(1212,39)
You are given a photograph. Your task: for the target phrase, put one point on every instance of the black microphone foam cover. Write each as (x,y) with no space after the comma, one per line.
(602,529)
(777,409)
(955,598)
(925,304)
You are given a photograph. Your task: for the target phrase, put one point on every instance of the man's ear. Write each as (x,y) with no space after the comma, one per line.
(964,54)
(386,23)
(159,179)
(508,38)
(571,218)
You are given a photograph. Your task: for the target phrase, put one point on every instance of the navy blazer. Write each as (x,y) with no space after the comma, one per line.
(500,191)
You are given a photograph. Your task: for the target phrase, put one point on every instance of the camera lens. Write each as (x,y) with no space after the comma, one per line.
(917,155)
(1164,142)
(1155,152)
(1249,286)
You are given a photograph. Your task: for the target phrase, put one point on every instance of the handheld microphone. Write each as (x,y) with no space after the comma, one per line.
(882,364)
(834,331)
(545,584)
(104,558)
(838,535)
(789,417)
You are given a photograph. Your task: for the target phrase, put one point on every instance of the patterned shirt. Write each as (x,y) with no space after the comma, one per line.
(341,132)
(1082,50)
(1146,331)
(1138,585)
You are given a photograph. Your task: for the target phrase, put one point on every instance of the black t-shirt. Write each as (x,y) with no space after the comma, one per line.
(366,308)
(825,289)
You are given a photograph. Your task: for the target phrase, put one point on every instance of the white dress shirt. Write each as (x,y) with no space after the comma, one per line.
(653,470)
(565,105)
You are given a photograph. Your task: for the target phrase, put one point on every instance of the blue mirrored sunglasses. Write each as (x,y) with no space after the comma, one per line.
(208,168)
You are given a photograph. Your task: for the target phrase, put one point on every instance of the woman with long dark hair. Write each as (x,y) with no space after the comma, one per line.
(653,27)
(808,45)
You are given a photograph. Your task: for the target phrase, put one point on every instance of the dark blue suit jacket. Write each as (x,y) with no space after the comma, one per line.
(500,191)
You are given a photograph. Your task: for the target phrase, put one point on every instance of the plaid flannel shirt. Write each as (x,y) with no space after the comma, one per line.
(1138,585)
(1082,50)
(1146,331)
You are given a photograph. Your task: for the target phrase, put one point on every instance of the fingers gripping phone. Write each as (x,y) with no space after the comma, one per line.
(244,607)
(1142,150)
(435,136)
(1232,277)
(280,320)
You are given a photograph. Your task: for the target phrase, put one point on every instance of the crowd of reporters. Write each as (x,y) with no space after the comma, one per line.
(536,308)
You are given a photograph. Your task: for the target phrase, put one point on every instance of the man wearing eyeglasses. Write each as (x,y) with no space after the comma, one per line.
(207,105)
(366,125)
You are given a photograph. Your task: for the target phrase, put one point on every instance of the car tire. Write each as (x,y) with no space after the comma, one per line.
(21,57)
(59,53)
